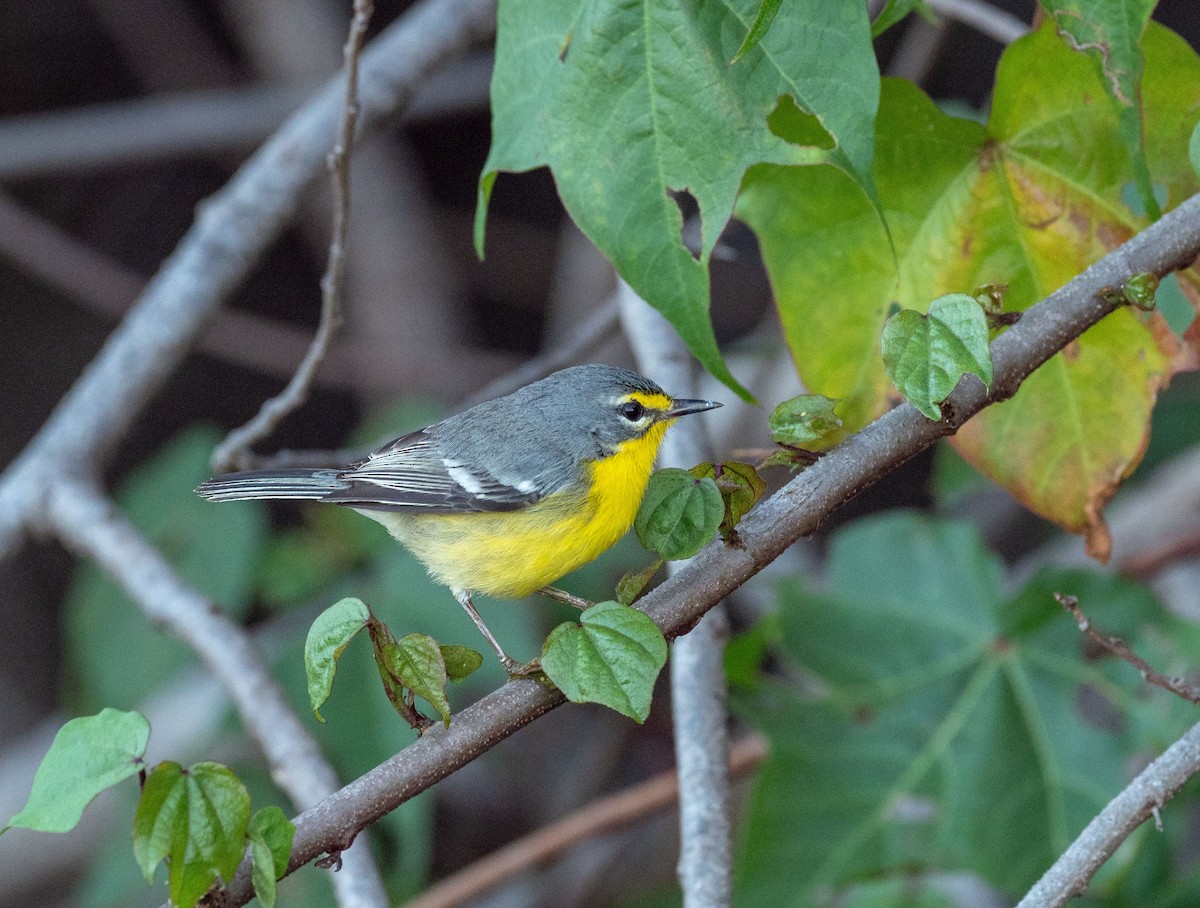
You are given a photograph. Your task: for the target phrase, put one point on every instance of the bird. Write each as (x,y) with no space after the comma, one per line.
(508,496)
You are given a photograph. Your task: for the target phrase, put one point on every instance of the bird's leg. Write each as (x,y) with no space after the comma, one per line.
(514,668)
(555,593)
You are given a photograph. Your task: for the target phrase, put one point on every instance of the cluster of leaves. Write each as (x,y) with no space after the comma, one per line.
(415,665)
(197,819)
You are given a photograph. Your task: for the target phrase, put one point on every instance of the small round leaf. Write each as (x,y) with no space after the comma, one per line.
(679,514)
(612,657)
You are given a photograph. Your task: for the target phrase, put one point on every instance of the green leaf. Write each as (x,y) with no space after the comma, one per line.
(333,629)
(740,486)
(461,661)
(1027,202)
(767,11)
(88,755)
(893,11)
(926,355)
(948,728)
(270,835)
(631,584)
(631,105)
(213,548)
(1111,33)
(679,514)
(804,419)
(612,657)
(196,820)
(415,660)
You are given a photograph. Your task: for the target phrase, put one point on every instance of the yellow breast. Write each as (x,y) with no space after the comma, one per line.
(510,554)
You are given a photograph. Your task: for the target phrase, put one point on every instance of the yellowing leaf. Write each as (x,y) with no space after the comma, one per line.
(1028,203)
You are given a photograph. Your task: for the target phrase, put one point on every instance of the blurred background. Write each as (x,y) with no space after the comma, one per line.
(117,118)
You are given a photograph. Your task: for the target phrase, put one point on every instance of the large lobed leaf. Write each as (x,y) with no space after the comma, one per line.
(1027,202)
(948,733)
(631,101)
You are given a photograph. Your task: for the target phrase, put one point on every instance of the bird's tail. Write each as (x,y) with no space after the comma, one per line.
(311,485)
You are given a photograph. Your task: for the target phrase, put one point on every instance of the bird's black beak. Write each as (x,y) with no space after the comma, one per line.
(684,407)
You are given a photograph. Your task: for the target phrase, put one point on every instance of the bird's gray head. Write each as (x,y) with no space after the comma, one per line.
(604,406)
(579,414)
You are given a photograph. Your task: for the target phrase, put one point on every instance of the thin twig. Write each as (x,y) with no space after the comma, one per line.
(231,454)
(794,511)
(603,816)
(1143,798)
(698,693)
(89,523)
(230,234)
(1123,650)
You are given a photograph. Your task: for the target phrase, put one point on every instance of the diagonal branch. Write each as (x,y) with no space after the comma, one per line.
(796,510)
(231,232)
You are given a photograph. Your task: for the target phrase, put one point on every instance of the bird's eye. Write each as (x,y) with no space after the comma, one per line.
(632,410)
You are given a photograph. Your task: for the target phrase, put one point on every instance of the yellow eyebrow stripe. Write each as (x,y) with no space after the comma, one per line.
(649,401)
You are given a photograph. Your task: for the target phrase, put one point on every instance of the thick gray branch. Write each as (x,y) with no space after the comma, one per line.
(698,691)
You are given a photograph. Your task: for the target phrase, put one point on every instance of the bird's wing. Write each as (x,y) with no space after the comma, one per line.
(410,474)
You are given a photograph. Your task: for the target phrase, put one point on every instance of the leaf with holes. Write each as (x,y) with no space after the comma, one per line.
(1111,34)
(327,639)
(926,355)
(633,106)
(88,755)
(612,657)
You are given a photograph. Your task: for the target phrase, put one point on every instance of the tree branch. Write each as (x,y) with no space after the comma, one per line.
(232,230)
(795,510)
(698,693)
(1141,799)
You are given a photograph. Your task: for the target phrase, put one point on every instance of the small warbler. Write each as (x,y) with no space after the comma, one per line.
(510,495)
